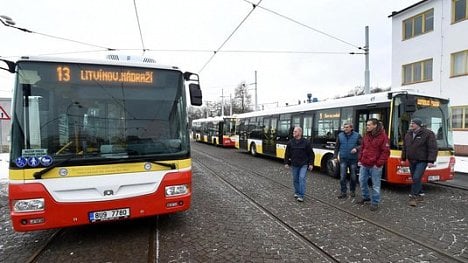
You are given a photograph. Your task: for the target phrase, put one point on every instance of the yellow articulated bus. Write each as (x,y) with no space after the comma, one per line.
(267,132)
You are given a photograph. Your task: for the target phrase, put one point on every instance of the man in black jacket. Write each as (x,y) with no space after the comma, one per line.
(300,156)
(420,149)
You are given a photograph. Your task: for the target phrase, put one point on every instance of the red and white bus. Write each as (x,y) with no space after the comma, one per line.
(93,141)
(267,132)
(218,131)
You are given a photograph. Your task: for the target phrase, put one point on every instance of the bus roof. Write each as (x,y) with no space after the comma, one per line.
(110,62)
(366,99)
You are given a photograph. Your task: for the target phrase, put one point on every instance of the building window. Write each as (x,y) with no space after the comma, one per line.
(417,72)
(459,10)
(419,24)
(460,117)
(460,63)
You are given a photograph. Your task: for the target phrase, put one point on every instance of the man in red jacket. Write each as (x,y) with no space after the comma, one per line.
(420,149)
(373,155)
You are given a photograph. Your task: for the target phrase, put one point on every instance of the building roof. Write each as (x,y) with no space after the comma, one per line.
(394,13)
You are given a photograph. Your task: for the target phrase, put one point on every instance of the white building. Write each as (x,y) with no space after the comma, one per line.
(430,54)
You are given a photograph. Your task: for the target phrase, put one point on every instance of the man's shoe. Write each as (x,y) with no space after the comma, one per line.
(363,201)
(342,196)
(374,207)
(296,196)
(412,201)
(353,194)
(300,199)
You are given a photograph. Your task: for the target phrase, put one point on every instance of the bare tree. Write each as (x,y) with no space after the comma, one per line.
(242,99)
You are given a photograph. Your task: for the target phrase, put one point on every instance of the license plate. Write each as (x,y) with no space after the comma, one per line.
(433,178)
(114,214)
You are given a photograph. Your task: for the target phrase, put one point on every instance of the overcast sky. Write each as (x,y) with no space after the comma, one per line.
(325,70)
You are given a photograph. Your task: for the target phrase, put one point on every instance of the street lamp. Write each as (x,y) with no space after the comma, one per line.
(366,53)
(7,21)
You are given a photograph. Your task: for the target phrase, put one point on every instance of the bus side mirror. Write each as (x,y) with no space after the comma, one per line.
(410,104)
(195,94)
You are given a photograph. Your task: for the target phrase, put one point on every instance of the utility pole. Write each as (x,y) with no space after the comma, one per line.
(230,105)
(256,96)
(222,102)
(367,72)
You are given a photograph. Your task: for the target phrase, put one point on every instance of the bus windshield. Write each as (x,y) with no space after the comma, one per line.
(89,112)
(433,112)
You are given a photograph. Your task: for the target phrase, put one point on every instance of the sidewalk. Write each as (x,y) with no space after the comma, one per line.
(461,164)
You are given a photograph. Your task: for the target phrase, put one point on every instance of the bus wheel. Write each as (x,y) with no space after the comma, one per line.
(253,149)
(333,168)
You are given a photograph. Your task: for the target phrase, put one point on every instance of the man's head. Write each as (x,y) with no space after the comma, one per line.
(297,132)
(415,124)
(372,124)
(347,127)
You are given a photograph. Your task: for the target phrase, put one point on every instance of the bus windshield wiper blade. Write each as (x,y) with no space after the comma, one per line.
(38,174)
(170,165)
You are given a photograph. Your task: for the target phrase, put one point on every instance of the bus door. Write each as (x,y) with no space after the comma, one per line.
(268,141)
(241,130)
(221,128)
(364,115)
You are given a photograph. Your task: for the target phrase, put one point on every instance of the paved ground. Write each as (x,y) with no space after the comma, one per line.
(224,226)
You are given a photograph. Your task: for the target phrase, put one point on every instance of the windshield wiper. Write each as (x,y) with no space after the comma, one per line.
(38,174)
(170,165)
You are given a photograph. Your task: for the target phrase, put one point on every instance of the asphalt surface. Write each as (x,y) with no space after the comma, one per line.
(243,211)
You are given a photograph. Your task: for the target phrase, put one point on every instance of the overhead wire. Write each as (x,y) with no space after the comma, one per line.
(229,37)
(199,51)
(139,26)
(304,25)
(56,37)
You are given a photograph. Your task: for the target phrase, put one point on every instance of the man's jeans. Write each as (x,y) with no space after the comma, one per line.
(417,170)
(375,173)
(344,164)
(299,179)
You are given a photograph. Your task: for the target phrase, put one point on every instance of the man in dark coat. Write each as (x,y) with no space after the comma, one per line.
(420,149)
(300,156)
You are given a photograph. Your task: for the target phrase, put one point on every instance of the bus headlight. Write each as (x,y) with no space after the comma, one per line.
(175,190)
(403,169)
(28,205)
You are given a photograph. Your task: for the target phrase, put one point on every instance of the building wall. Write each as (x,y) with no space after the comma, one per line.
(439,44)
(5,124)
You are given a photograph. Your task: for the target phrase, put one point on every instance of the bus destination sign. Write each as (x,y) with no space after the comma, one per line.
(64,74)
(428,102)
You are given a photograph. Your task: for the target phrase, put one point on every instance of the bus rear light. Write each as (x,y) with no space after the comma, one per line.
(175,190)
(452,164)
(28,205)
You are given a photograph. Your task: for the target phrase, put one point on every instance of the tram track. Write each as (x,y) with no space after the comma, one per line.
(266,211)
(52,249)
(47,244)
(387,229)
